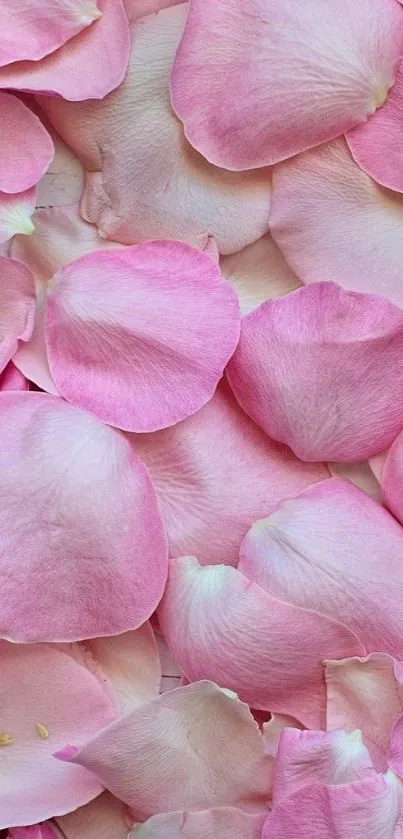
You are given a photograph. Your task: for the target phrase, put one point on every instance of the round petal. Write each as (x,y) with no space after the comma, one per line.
(219,823)
(256,83)
(79,524)
(27,148)
(322,371)
(16,212)
(17,307)
(392,479)
(103,818)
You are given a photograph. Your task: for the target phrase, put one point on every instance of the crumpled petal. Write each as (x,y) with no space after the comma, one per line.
(48,699)
(129,196)
(192,465)
(88,66)
(103,818)
(79,523)
(16,212)
(221,626)
(196,746)
(324,213)
(365,693)
(391,477)
(12,379)
(335,550)
(17,307)
(26,146)
(322,371)
(139,336)
(218,823)
(256,83)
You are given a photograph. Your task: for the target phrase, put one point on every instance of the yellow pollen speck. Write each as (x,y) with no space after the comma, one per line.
(42,731)
(6,739)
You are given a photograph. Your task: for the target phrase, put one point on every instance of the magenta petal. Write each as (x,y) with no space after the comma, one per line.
(12,379)
(27,148)
(36,831)
(17,307)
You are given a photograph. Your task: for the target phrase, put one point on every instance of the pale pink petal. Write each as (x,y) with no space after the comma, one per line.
(273,729)
(103,818)
(365,693)
(376,145)
(257,83)
(392,478)
(218,823)
(63,183)
(335,550)
(360,474)
(325,212)
(17,307)
(35,831)
(12,379)
(139,336)
(79,524)
(31,357)
(194,463)
(26,147)
(196,746)
(16,212)
(368,809)
(395,757)
(258,272)
(140,8)
(47,700)
(88,66)
(322,371)
(220,626)
(129,196)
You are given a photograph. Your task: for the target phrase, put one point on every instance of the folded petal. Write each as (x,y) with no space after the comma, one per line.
(256,84)
(392,478)
(17,307)
(88,66)
(139,336)
(335,550)
(218,823)
(308,369)
(220,626)
(12,379)
(196,747)
(79,522)
(103,818)
(325,211)
(365,693)
(48,699)
(191,464)
(127,195)
(27,148)
(16,211)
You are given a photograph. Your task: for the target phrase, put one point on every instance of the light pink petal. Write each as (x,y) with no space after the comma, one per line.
(218,823)
(12,379)
(220,626)
(257,83)
(31,358)
(273,729)
(131,198)
(103,818)
(368,809)
(308,369)
(392,478)
(395,757)
(17,307)
(192,465)
(335,550)
(87,67)
(16,212)
(359,474)
(325,211)
(196,746)
(140,336)
(26,147)
(47,700)
(35,831)
(365,693)
(79,522)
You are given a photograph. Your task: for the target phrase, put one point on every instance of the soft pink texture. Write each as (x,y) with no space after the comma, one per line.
(359,474)
(36,831)
(12,379)
(395,757)
(194,464)
(221,626)
(273,729)
(335,550)
(83,551)
(88,66)
(130,196)
(17,307)
(26,147)
(194,747)
(16,211)
(256,83)
(31,358)
(139,336)
(333,222)
(322,371)
(376,145)
(218,823)
(42,685)
(103,818)
(140,8)
(392,479)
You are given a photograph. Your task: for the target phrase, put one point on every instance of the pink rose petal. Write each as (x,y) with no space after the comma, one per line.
(63,182)
(12,379)
(392,478)
(137,9)
(218,823)
(17,307)
(27,148)
(103,818)
(35,831)
(273,729)
(395,757)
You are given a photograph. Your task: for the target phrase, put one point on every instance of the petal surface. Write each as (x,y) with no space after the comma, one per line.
(48,699)
(325,210)
(254,85)
(192,463)
(273,729)
(218,823)
(335,550)
(96,568)
(221,626)
(322,371)
(31,357)
(195,745)
(35,831)
(102,818)
(137,9)
(127,195)
(12,379)
(392,479)
(16,212)
(63,182)
(139,336)
(27,148)
(17,307)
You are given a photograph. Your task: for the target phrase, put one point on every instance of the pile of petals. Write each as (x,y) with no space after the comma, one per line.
(201,419)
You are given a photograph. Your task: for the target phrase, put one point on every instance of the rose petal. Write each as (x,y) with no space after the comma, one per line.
(103,818)
(392,478)
(12,379)
(140,8)
(359,474)
(27,148)
(322,371)
(15,214)
(79,522)
(31,358)
(256,84)
(395,757)
(63,183)
(221,626)
(17,307)
(195,746)
(273,729)
(35,831)
(218,823)
(47,698)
